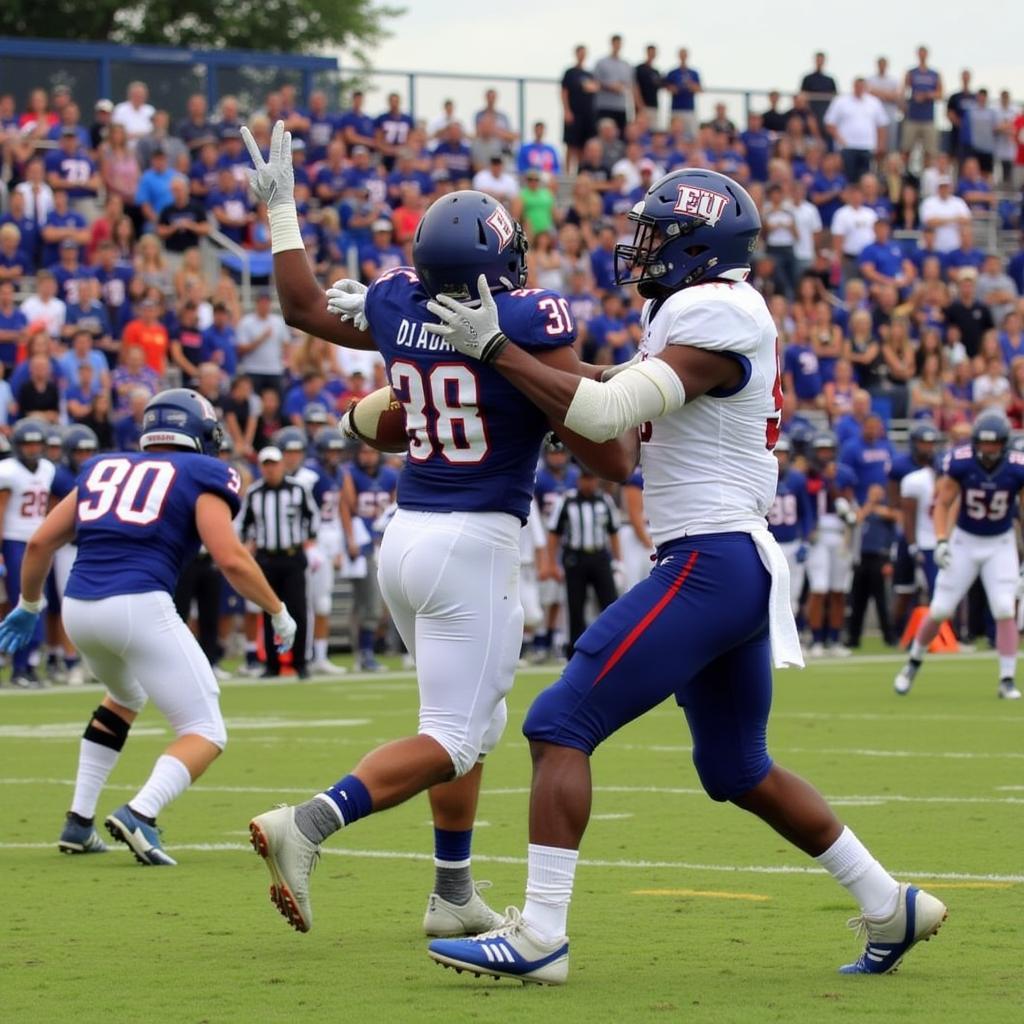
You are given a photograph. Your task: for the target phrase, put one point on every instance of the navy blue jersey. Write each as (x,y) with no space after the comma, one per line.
(325,492)
(64,481)
(987,499)
(473,438)
(902,465)
(136,519)
(374,493)
(823,492)
(791,516)
(548,488)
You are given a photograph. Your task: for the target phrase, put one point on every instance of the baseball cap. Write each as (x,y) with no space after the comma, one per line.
(106,105)
(269,454)
(968,273)
(383,225)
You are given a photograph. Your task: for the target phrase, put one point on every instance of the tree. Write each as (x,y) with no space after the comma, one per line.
(275,25)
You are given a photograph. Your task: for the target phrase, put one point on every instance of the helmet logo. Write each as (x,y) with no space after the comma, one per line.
(205,405)
(701,203)
(503,227)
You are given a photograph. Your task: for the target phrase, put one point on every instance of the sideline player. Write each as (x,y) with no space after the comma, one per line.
(138,518)
(707,394)
(791,519)
(25,482)
(984,479)
(450,556)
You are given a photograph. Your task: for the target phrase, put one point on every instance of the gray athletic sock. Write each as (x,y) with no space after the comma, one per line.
(454,884)
(316,820)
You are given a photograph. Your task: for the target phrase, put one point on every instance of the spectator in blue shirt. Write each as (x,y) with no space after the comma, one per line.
(356,126)
(608,336)
(27,226)
(967,257)
(90,315)
(13,324)
(683,83)
(826,190)
(322,126)
(381,254)
(309,389)
(453,155)
(219,341)
(924,249)
(154,191)
(62,223)
(538,154)
(69,273)
(202,174)
(883,261)
(392,130)
(602,260)
(15,263)
(870,456)
(331,178)
(82,352)
(802,372)
(70,169)
(757,145)
(128,429)
(230,206)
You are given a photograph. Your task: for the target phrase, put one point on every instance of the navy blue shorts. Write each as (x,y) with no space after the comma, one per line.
(231,601)
(695,629)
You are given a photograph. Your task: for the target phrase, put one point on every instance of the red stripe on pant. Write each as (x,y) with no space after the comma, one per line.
(634,634)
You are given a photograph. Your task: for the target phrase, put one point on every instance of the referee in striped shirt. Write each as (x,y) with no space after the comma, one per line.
(279,517)
(586,522)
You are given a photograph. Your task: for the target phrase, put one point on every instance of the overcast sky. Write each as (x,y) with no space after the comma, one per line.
(743,44)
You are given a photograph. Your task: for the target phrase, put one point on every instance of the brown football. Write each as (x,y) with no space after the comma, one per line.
(379,420)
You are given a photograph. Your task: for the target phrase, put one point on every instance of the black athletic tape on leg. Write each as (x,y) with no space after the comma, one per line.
(117,726)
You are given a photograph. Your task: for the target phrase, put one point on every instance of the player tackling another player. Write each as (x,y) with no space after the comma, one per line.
(449,561)
(137,518)
(707,624)
(982,479)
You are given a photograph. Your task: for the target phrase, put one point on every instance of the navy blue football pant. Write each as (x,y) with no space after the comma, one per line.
(14,554)
(696,629)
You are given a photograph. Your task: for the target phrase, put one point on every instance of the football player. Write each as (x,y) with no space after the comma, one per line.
(983,481)
(449,559)
(791,519)
(25,483)
(368,488)
(708,622)
(830,484)
(634,538)
(138,517)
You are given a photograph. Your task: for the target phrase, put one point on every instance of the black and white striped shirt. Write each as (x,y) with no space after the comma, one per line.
(584,523)
(279,519)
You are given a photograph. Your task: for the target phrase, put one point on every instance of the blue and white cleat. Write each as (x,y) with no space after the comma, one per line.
(142,839)
(511,950)
(917,917)
(78,838)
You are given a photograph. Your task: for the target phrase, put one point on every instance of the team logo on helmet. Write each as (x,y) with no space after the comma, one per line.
(503,227)
(701,203)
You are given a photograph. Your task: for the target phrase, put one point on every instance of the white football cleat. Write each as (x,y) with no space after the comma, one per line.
(76,674)
(905,678)
(327,668)
(817,651)
(290,858)
(512,950)
(1008,690)
(444,920)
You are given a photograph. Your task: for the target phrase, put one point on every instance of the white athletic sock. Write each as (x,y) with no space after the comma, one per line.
(320,650)
(549,877)
(917,650)
(169,779)
(1007,666)
(95,763)
(850,863)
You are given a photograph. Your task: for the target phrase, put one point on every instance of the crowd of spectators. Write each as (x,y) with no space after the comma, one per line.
(890,255)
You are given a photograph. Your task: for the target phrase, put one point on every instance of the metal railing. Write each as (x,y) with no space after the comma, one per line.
(218,238)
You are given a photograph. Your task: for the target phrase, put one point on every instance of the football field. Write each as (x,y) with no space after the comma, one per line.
(685,910)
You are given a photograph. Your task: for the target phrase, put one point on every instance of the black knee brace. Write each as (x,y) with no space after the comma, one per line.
(115,738)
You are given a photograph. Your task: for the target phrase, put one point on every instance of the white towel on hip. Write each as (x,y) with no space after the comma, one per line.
(782,631)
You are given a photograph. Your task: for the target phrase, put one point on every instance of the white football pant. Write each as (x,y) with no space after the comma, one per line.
(993,558)
(828,564)
(636,559)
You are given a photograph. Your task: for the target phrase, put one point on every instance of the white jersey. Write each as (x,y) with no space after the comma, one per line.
(708,467)
(30,496)
(920,485)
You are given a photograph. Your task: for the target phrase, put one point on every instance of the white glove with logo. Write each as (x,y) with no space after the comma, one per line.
(472,330)
(284,630)
(943,554)
(273,180)
(346,299)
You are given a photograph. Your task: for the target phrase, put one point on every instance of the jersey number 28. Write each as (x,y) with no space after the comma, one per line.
(136,493)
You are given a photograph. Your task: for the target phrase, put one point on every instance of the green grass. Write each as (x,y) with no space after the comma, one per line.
(921,780)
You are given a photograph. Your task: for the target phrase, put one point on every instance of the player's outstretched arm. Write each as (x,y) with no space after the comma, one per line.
(303,301)
(217,532)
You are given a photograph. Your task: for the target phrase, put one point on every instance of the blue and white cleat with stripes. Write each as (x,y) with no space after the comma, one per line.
(78,838)
(511,950)
(917,917)
(142,839)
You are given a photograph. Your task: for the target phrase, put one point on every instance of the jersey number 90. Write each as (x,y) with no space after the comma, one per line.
(136,493)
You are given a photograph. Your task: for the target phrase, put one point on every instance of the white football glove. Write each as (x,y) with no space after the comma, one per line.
(284,630)
(846,512)
(273,180)
(472,330)
(943,554)
(611,371)
(346,299)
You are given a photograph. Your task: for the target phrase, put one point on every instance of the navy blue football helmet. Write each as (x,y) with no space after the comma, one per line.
(314,413)
(291,439)
(29,432)
(990,426)
(1016,444)
(5,447)
(80,440)
(463,235)
(692,225)
(824,447)
(181,418)
(331,444)
(923,439)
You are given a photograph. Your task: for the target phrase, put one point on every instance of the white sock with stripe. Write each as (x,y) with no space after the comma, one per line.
(850,863)
(549,878)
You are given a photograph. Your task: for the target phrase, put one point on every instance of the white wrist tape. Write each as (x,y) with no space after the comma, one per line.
(643,392)
(284,228)
(35,607)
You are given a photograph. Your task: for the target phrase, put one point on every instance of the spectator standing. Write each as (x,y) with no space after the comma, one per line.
(263,337)
(923,87)
(818,87)
(1007,114)
(135,113)
(982,126)
(195,129)
(538,155)
(857,123)
(956,107)
(648,83)
(585,523)
(780,236)
(501,121)
(877,524)
(683,82)
(945,214)
(826,187)
(579,89)
(615,80)
(885,87)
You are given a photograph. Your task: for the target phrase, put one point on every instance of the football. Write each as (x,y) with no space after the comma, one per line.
(379,420)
